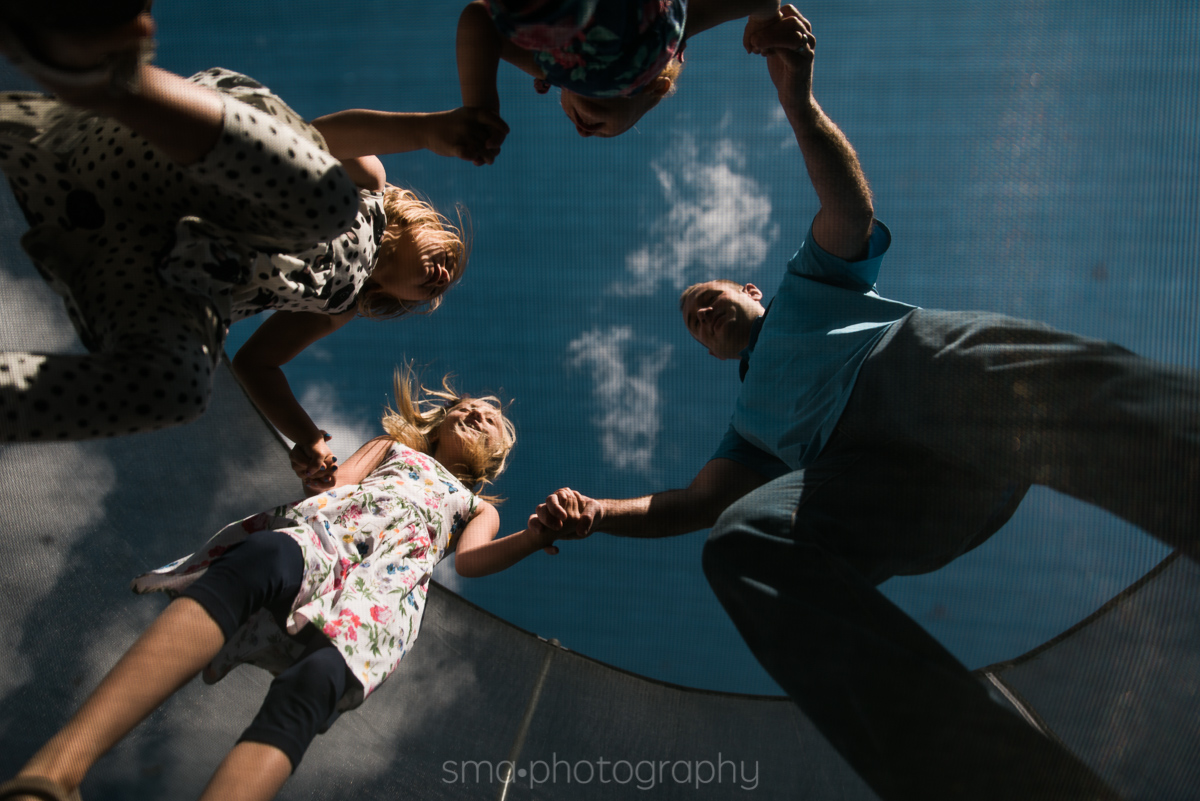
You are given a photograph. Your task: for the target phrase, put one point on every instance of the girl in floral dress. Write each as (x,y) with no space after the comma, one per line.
(327,593)
(163,209)
(613,59)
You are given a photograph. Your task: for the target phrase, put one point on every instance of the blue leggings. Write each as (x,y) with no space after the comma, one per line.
(265,572)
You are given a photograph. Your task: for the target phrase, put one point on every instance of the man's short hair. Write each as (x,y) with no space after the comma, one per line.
(685,292)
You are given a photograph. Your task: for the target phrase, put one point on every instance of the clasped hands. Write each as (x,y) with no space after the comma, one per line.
(314,463)
(472,134)
(786,40)
(564,515)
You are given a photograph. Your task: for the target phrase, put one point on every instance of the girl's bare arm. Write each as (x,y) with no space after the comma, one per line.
(477,46)
(355,136)
(479,553)
(258,363)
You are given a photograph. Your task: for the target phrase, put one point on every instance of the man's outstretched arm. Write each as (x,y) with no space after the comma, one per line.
(663,514)
(843,224)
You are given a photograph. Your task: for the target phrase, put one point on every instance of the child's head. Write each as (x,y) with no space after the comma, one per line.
(422,254)
(478,436)
(612,116)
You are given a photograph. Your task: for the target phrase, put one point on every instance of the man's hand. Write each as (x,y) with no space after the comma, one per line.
(788,43)
(564,515)
(843,224)
(314,463)
(473,134)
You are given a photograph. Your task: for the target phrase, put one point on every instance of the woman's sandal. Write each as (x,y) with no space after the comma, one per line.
(118,71)
(38,787)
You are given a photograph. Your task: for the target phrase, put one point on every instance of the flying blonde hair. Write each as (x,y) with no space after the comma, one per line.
(408,211)
(672,70)
(420,411)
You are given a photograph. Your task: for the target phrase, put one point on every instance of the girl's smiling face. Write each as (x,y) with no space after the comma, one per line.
(469,421)
(612,116)
(416,269)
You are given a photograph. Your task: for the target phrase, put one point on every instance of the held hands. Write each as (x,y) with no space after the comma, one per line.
(314,463)
(788,43)
(564,515)
(473,134)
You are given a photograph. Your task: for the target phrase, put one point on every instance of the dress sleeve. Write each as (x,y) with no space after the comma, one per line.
(813,261)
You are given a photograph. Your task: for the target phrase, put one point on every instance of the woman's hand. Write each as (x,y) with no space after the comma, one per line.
(314,463)
(473,134)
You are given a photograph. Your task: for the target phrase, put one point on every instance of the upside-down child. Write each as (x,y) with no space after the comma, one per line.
(614,60)
(179,206)
(298,590)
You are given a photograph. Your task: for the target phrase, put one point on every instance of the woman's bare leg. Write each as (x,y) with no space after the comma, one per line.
(177,645)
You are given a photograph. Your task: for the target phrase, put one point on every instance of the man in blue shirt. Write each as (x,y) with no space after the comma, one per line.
(874,439)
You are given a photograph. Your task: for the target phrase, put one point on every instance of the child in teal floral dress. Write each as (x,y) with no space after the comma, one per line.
(613,59)
(327,593)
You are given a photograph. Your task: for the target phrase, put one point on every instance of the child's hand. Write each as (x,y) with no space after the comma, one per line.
(786,30)
(474,134)
(314,463)
(564,515)
(789,46)
(755,25)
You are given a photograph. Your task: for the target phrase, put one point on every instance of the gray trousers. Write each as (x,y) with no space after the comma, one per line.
(954,415)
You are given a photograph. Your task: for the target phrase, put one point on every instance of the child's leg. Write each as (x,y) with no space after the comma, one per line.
(301,703)
(155,347)
(179,118)
(153,368)
(264,571)
(185,121)
(177,645)
(250,772)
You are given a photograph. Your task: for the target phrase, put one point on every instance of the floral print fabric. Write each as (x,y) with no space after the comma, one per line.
(598,49)
(368,552)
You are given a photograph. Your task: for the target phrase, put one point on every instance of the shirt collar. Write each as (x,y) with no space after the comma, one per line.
(755,329)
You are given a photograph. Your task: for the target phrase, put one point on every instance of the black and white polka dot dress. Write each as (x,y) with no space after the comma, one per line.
(154,260)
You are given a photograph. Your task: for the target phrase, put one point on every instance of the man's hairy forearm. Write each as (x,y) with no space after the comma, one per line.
(832,164)
(663,514)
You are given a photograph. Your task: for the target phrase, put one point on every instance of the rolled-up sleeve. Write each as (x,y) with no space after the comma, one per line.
(813,261)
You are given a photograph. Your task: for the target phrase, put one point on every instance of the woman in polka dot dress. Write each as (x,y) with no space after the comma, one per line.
(162,209)
(327,593)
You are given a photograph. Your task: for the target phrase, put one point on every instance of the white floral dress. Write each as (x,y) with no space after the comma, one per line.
(369,551)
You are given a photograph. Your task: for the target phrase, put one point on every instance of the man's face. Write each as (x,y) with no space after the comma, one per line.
(718,315)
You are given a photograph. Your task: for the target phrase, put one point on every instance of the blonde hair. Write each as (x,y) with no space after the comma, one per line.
(420,411)
(672,70)
(408,211)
